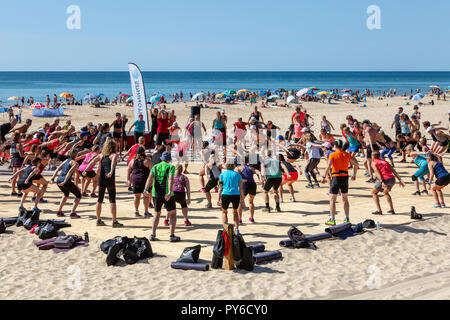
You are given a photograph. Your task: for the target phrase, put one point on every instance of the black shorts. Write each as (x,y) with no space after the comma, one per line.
(249,188)
(23,187)
(371,149)
(17,162)
(89,174)
(180,197)
(444,181)
(211,184)
(70,188)
(161,138)
(235,200)
(169,205)
(272,183)
(339,184)
(138,189)
(445,143)
(117,135)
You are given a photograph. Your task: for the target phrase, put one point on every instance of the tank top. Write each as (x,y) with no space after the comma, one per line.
(420,160)
(179,183)
(64,171)
(405,127)
(352,141)
(85,163)
(439,170)
(214,173)
(118,124)
(106,168)
(14,152)
(247,174)
(139,173)
(326,126)
(256,116)
(25,174)
(385,169)
(218,124)
(289,166)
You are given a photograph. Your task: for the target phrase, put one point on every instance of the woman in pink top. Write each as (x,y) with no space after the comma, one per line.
(88,175)
(386,180)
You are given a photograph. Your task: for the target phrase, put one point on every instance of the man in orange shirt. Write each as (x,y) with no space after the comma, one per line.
(339,162)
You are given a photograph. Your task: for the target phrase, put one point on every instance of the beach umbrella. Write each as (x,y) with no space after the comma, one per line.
(155,98)
(346,90)
(130,99)
(263,93)
(100,94)
(65,95)
(274,97)
(125,95)
(291,100)
(302,92)
(313,89)
(435,87)
(417,97)
(229,92)
(323,93)
(14,98)
(243,91)
(37,105)
(220,95)
(197,95)
(346,95)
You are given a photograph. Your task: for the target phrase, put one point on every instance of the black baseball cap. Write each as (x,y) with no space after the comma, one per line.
(338,143)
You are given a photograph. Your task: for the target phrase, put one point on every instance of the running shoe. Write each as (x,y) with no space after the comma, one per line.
(60,214)
(85,195)
(366,174)
(378,213)
(100,223)
(437,205)
(13,193)
(443,205)
(174,238)
(251,220)
(278,209)
(209,206)
(292,199)
(309,186)
(117,225)
(330,223)
(187,223)
(93,195)
(391,212)
(417,193)
(347,220)
(240,221)
(19,195)
(403,161)
(166,222)
(153,238)
(216,189)
(202,190)
(74,216)
(266,210)
(316,185)
(425,192)
(148,215)
(137,214)
(43,200)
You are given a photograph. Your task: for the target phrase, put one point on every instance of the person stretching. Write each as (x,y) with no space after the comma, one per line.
(230,192)
(386,180)
(437,170)
(66,185)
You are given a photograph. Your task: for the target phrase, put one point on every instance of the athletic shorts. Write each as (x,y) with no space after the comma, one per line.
(444,181)
(390,183)
(272,183)
(294,176)
(89,174)
(354,148)
(211,184)
(138,190)
(161,138)
(423,170)
(70,188)
(371,149)
(445,143)
(17,162)
(169,205)
(339,184)
(180,197)
(235,200)
(117,135)
(249,188)
(23,187)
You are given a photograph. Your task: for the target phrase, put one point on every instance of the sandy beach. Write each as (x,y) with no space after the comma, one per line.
(403,260)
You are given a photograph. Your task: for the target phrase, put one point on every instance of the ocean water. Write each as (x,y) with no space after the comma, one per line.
(38,84)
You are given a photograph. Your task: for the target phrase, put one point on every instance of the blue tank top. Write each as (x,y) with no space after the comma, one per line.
(247,174)
(405,127)
(352,141)
(421,161)
(439,170)
(64,171)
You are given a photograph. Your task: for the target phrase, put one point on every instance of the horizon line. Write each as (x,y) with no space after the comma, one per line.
(199,71)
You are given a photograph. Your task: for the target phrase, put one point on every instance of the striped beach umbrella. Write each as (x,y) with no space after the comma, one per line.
(38,105)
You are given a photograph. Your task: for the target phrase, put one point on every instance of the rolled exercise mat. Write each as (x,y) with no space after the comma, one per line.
(190,266)
(10,221)
(267,256)
(258,248)
(339,228)
(286,243)
(320,236)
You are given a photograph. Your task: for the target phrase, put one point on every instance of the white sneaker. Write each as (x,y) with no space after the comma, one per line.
(292,199)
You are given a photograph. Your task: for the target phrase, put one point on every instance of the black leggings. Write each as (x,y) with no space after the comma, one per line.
(111,193)
(309,170)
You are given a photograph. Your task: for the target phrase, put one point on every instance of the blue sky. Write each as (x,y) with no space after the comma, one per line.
(211,35)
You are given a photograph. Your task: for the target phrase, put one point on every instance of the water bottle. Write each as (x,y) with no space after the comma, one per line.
(86,237)
(378,225)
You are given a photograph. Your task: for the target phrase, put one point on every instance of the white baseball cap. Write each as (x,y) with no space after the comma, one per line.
(305,130)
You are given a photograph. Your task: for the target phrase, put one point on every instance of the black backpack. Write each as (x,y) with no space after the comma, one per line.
(32,220)
(137,249)
(298,238)
(190,255)
(24,215)
(46,230)
(243,254)
(218,251)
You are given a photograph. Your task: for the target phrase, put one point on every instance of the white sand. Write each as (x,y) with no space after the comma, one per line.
(412,259)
